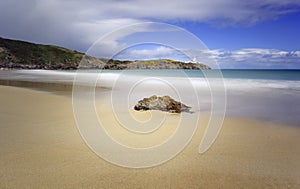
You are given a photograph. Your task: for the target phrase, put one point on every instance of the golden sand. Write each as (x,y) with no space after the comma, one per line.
(40,147)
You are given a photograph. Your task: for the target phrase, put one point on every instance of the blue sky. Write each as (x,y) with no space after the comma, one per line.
(279,33)
(238,34)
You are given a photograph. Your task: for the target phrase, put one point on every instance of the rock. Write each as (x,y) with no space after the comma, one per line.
(164,103)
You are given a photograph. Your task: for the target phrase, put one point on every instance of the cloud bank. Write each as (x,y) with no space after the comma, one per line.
(254,58)
(77,24)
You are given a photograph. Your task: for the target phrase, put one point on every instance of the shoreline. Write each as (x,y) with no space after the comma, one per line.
(41,147)
(65,88)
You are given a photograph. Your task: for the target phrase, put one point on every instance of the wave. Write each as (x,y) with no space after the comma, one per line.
(266,99)
(108,79)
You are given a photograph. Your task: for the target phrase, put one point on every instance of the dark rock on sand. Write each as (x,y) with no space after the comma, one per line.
(164,103)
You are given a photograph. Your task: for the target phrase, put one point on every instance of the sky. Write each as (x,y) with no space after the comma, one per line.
(257,34)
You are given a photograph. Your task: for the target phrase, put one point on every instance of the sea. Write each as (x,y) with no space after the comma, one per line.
(267,95)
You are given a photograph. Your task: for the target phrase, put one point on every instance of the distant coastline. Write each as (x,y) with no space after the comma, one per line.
(16,54)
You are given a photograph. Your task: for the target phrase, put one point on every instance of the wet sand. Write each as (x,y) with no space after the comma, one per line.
(41,147)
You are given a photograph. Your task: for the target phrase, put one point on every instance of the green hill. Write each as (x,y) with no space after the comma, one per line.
(16,54)
(25,53)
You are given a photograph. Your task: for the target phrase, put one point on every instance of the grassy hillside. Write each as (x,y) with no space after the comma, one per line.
(24,55)
(21,52)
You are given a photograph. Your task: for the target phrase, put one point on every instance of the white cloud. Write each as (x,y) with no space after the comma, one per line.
(156,53)
(231,11)
(243,58)
(73,24)
(77,24)
(255,58)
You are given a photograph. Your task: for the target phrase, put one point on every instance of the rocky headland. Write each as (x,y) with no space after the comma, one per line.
(16,54)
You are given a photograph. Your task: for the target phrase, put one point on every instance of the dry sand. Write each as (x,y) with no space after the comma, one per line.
(40,147)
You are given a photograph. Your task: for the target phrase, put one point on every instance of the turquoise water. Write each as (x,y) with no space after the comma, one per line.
(291,75)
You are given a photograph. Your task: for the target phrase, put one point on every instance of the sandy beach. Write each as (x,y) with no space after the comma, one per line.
(41,147)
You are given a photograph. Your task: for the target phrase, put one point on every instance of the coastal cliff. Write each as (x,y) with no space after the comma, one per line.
(16,54)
